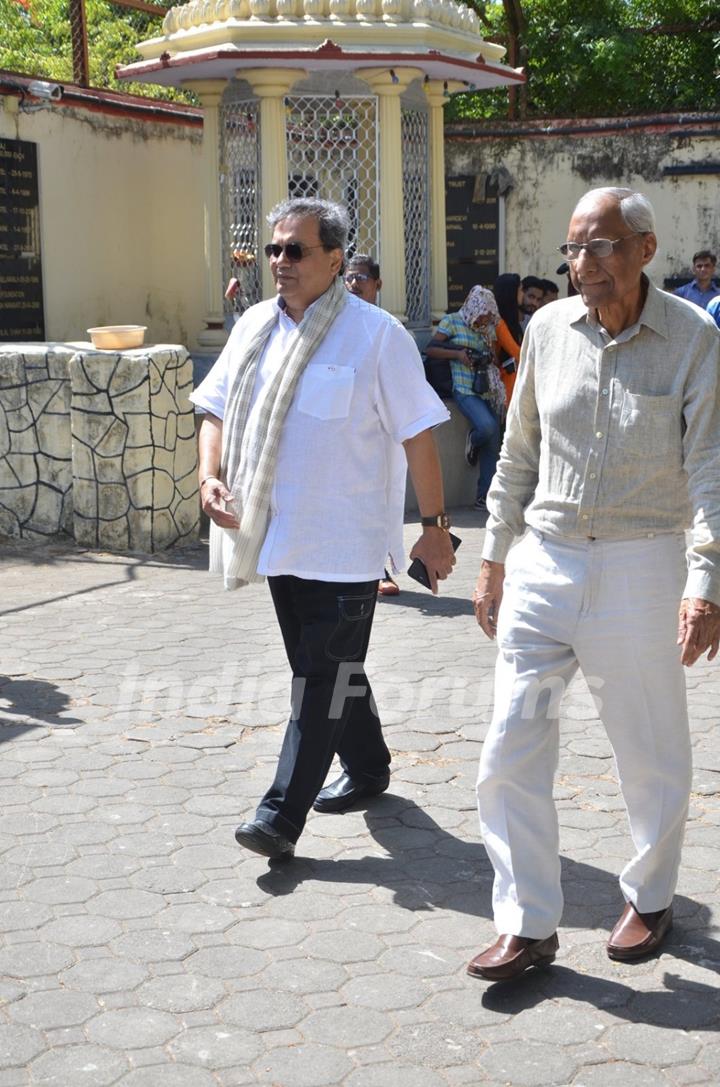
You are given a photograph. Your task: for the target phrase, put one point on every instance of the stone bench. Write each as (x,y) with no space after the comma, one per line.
(98,444)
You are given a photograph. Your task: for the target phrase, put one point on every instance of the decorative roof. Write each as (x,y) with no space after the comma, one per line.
(260,20)
(205,39)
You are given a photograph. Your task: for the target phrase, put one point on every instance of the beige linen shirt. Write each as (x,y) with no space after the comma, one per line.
(615,438)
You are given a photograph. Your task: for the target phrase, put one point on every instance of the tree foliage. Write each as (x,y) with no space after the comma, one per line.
(36,41)
(605,57)
(582,57)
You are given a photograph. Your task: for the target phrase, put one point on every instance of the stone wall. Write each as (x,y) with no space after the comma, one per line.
(35,448)
(543,167)
(98,444)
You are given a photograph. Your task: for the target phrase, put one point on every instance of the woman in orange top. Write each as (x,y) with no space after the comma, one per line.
(508,332)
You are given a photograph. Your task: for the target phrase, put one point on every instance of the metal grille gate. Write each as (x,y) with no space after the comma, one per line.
(416,207)
(240,196)
(332,150)
(332,154)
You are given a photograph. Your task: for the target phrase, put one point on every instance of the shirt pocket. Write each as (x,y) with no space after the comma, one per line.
(326,391)
(650,426)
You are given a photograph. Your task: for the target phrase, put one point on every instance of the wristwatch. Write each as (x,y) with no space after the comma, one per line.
(439,520)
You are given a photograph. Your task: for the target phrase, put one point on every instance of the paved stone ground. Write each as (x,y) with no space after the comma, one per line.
(141,710)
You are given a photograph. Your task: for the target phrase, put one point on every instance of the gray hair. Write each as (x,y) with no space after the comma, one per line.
(332,219)
(635,208)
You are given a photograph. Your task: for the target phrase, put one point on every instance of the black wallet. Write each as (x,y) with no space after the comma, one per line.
(418,570)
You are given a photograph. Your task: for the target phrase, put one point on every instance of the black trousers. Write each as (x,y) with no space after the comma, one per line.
(326,629)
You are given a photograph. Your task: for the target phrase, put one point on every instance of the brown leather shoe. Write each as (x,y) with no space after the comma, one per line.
(510,956)
(638,934)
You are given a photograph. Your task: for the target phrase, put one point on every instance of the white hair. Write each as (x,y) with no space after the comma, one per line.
(635,208)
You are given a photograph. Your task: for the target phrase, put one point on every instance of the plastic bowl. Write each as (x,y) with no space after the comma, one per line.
(117,337)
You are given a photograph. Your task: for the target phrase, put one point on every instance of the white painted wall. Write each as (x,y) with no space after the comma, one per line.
(550,173)
(121,219)
(121,207)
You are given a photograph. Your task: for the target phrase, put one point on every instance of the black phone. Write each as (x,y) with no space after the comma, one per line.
(418,570)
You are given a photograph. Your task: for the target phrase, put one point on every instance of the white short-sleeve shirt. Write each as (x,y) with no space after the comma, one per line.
(336,509)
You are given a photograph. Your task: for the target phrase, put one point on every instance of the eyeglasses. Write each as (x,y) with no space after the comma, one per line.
(357,277)
(294,251)
(598,247)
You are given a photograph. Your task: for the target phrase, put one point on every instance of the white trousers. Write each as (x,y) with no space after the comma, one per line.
(609,608)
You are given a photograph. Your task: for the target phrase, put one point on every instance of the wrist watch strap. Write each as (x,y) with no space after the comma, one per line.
(438,520)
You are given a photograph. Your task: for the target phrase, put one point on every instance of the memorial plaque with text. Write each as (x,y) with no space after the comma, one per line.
(472,231)
(21,299)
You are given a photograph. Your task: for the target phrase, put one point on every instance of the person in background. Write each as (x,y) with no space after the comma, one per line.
(467,339)
(531,300)
(703,288)
(713,309)
(239,285)
(551,292)
(564,270)
(508,332)
(362,278)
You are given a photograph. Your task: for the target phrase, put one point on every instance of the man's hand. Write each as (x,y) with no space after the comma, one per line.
(215,499)
(436,551)
(488,595)
(698,629)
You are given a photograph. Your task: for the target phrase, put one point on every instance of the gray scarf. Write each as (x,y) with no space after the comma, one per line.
(250,443)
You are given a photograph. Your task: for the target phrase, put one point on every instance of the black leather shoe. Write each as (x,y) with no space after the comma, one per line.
(262,838)
(343,793)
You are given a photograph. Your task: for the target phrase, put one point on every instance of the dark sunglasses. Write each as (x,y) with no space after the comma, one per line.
(294,251)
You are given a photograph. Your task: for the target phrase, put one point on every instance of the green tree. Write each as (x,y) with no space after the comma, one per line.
(36,40)
(582,57)
(603,57)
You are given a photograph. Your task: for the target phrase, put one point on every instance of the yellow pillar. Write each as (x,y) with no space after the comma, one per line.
(437,95)
(389,84)
(271,85)
(210,92)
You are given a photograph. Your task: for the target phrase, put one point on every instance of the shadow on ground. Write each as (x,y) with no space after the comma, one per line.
(449,874)
(427,604)
(123,567)
(36,699)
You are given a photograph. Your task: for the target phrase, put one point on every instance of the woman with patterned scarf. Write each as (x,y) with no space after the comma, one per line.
(467,340)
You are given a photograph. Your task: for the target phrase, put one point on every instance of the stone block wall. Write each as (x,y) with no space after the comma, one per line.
(109,445)
(35,446)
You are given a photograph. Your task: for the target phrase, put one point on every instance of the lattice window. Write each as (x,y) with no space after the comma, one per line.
(416,208)
(332,153)
(240,198)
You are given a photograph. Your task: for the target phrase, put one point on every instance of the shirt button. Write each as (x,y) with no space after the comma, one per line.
(585,517)
(598,434)
(593,475)
(605,392)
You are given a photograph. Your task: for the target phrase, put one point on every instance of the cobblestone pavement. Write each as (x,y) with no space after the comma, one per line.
(141,711)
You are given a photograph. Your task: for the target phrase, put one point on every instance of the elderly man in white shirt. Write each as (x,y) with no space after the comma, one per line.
(612,450)
(314,411)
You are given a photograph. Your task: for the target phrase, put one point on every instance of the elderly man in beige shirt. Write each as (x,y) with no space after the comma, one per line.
(612,451)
